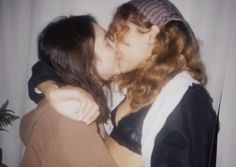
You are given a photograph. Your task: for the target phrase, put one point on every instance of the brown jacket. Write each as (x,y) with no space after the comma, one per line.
(53,140)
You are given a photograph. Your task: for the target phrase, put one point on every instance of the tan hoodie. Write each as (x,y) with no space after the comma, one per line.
(53,140)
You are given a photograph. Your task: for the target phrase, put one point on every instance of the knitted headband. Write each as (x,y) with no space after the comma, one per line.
(158,12)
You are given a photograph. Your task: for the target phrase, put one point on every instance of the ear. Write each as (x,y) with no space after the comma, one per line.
(153,33)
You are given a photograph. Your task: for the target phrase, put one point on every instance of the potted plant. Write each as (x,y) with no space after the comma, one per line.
(6,118)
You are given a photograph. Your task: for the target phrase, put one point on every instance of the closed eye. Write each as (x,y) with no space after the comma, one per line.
(124,43)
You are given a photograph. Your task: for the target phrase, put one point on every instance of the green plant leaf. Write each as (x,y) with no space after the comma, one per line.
(4,106)
(1,129)
(6,116)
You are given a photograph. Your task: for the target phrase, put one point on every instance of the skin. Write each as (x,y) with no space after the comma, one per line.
(132,52)
(105,55)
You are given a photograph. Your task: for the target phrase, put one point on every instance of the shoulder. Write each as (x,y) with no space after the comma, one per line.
(42,115)
(195,95)
(195,108)
(196,104)
(194,116)
(187,131)
(36,122)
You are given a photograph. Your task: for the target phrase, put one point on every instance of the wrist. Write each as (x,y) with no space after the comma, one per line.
(47,86)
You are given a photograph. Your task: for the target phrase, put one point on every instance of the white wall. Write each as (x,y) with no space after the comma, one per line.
(227,135)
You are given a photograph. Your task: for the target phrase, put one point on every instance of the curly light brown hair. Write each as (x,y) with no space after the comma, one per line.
(176,49)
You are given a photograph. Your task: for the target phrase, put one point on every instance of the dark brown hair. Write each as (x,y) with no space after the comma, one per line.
(67,46)
(176,49)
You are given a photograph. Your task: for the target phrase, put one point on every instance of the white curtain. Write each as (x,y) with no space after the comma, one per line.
(213,21)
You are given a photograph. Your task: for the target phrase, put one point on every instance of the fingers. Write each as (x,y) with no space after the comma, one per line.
(63,94)
(74,103)
(89,114)
(93,117)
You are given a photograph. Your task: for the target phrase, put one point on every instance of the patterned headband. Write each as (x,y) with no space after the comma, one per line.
(158,12)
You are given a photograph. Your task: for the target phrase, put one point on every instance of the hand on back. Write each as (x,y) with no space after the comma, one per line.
(73,102)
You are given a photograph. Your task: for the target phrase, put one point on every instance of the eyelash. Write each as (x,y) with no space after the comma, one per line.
(124,43)
(107,43)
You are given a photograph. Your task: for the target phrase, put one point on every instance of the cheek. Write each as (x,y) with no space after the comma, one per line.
(109,60)
(127,63)
(133,54)
(106,56)
(101,69)
(98,65)
(106,64)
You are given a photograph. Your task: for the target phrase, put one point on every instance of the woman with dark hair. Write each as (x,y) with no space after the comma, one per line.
(166,117)
(68,45)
